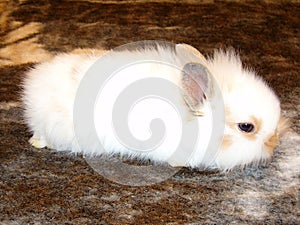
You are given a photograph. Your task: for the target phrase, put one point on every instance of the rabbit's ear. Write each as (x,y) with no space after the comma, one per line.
(196,85)
(183,49)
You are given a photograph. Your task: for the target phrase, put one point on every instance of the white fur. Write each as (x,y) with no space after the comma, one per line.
(245,95)
(50,88)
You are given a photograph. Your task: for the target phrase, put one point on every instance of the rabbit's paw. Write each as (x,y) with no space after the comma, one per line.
(38,141)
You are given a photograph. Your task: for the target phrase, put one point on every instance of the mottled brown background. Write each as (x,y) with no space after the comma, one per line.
(47,187)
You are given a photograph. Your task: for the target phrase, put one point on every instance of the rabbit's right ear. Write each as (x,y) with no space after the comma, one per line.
(196,85)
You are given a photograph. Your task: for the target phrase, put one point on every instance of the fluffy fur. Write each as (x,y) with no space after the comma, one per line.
(49,91)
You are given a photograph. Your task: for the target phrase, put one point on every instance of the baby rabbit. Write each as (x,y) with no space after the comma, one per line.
(252,119)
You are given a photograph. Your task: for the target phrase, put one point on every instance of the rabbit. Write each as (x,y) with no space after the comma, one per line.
(252,121)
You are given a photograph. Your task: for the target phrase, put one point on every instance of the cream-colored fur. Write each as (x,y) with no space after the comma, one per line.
(50,89)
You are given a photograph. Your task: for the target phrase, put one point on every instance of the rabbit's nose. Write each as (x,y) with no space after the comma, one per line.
(271,143)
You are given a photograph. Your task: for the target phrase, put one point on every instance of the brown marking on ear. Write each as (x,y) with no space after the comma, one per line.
(282,126)
(271,143)
(226,142)
(193,50)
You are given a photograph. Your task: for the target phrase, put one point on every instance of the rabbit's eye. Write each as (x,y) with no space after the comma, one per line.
(246,127)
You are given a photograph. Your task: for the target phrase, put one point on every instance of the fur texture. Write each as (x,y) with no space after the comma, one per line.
(49,91)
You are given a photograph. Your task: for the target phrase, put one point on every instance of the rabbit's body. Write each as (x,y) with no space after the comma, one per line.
(50,90)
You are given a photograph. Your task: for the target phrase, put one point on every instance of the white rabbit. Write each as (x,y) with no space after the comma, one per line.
(252,110)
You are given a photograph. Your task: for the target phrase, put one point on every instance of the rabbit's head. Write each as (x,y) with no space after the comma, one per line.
(252,110)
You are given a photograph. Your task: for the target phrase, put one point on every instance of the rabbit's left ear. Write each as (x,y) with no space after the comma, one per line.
(196,85)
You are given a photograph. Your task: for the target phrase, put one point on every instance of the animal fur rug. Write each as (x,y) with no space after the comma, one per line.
(41,186)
